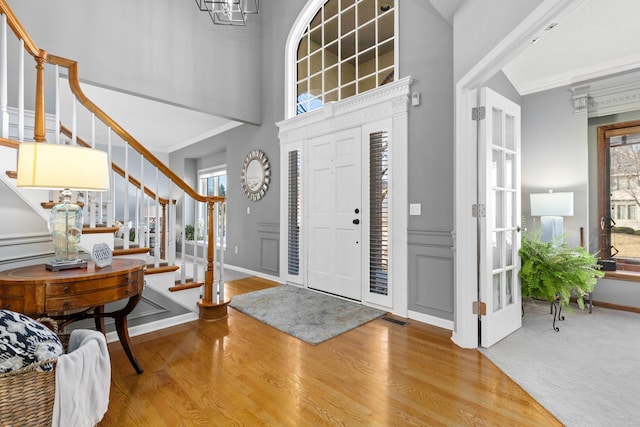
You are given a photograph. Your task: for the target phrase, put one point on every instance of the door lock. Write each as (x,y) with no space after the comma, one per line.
(356,221)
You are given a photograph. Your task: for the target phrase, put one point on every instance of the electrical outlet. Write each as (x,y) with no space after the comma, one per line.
(236,249)
(248,210)
(415,209)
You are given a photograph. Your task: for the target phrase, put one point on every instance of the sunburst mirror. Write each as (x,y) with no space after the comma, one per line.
(256,174)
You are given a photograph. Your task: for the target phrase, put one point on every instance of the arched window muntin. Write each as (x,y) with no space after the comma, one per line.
(338,49)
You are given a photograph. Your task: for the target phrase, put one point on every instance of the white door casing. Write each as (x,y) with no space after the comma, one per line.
(384,108)
(499,184)
(335,231)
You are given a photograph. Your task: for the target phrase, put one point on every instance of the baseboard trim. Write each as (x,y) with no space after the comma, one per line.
(253,273)
(431,320)
(600,304)
(155,326)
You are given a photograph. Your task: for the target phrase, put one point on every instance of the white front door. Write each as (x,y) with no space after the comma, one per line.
(499,183)
(335,219)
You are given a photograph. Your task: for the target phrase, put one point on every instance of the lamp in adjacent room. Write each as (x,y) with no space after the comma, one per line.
(551,208)
(66,168)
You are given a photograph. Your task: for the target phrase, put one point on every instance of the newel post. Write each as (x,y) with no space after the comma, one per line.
(39,129)
(211,308)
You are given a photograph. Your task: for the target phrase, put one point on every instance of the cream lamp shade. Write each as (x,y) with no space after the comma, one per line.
(552,204)
(551,207)
(66,167)
(51,166)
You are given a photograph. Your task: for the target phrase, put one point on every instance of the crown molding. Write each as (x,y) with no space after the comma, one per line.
(608,96)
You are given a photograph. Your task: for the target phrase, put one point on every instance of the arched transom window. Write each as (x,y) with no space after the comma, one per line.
(346,49)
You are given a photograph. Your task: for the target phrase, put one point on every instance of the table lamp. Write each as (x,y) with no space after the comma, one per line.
(65,167)
(551,208)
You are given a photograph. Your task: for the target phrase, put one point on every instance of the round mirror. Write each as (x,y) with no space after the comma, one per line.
(255,175)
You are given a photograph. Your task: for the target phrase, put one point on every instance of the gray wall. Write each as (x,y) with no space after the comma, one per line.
(426,54)
(555,156)
(162,49)
(255,234)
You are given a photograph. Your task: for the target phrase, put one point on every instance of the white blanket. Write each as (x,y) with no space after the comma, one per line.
(83,381)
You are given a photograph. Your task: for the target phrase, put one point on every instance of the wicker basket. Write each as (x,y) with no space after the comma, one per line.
(26,395)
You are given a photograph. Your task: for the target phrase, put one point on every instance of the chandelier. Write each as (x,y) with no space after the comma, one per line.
(229,12)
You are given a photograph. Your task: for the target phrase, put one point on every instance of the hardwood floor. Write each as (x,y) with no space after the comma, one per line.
(242,372)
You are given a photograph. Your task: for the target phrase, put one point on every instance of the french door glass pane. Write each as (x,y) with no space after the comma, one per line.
(497,292)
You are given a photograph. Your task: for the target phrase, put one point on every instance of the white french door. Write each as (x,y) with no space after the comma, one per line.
(499,184)
(335,214)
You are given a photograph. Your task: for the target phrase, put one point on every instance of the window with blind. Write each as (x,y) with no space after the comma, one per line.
(293,259)
(379,213)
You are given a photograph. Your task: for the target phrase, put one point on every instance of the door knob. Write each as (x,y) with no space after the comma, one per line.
(356,221)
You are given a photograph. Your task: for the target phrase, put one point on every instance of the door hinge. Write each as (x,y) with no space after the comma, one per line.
(480,308)
(478,211)
(477,113)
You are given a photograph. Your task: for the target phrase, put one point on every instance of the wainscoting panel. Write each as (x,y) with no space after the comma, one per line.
(269,235)
(431,273)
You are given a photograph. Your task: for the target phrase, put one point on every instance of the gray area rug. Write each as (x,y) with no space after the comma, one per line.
(310,316)
(587,374)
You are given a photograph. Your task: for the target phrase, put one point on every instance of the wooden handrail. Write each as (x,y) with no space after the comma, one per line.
(9,143)
(72,67)
(65,131)
(210,308)
(19,30)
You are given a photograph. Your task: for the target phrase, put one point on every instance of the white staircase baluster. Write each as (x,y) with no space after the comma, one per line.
(140,225)
(223,208)
(205,239)
(21,92)
(57,106)
(93,130)
(156,248)
(195,241)
(171,227)
(125,205)
(3,78)
(147,223)
(74,123)
(183,267)
(110,202)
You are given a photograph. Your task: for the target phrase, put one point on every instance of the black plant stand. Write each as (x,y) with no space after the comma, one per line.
(555,309)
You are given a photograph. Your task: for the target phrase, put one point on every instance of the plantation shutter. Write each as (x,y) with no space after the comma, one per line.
(379,212)
(293,260)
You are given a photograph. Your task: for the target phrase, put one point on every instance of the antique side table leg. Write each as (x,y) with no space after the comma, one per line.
(123,335)
(99,319)
(122,328)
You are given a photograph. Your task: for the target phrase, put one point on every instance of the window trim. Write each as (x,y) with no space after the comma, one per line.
(604,188)
(291,52)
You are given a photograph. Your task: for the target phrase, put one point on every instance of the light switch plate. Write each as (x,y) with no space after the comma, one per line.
(415,98)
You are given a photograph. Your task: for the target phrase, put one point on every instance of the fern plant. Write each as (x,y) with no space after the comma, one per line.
(554,271)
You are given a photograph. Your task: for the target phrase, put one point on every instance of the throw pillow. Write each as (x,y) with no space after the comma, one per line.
(24,341)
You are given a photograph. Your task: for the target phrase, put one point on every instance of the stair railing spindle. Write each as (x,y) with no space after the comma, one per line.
(3,78)
(21,92)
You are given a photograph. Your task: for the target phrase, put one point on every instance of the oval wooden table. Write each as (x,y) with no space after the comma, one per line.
(71,295)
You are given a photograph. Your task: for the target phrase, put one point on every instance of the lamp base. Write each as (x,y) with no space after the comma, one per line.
(66,265)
